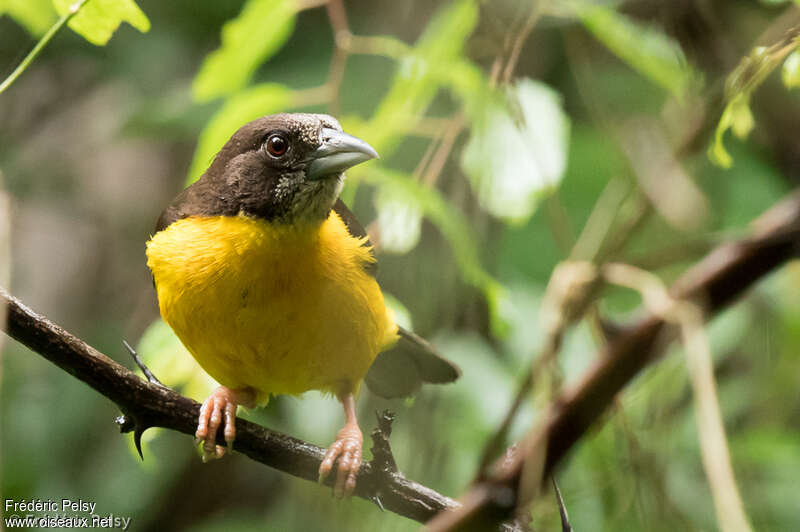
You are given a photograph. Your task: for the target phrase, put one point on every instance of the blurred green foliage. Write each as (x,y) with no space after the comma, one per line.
(35,15)
(97,140)
(99,19)
(247,41)
(648,50)
(96,21)
(740,85)
(791,70)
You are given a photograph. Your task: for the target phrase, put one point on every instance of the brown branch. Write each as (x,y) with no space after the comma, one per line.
(715,281)
(383,458)
(148,405)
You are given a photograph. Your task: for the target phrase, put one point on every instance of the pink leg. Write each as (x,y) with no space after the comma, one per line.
(347,449)
(221,404)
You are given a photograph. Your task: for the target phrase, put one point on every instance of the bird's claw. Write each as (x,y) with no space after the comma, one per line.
(347,450)
(220,406)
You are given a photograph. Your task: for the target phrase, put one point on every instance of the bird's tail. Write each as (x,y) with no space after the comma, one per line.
(412,361)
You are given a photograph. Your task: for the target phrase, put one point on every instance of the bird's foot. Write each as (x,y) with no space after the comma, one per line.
(347,449)
(220,406)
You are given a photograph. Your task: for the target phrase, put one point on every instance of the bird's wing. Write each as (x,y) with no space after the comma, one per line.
(401,370)
(355,228)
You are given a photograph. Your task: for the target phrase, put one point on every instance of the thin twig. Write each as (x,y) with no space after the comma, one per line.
(522,36)
(587,247)
(713,444)
(46,38)
(416,175)
(597,228)
(568,292)
(341,35)
(439,159)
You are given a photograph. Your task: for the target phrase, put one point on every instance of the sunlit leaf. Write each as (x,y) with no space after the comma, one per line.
(99,19)
(239,109)
(742,121)
(791,70)
(260,30)
(517,153)
(454,227)
(36,16)
(645,48)
(748,75)
(399,221)
(717,152)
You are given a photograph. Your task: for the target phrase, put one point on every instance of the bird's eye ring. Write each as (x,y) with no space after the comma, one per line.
(277,145)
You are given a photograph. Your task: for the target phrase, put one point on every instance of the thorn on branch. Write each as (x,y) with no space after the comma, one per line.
(377,500)
(137,439)
(142,366)
(562,510)
(131,424)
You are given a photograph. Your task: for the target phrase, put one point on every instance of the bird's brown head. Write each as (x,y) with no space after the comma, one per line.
(282,168)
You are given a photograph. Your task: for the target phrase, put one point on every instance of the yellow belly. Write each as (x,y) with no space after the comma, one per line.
(279,309)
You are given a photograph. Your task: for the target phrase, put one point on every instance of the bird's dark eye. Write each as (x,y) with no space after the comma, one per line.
(277,145)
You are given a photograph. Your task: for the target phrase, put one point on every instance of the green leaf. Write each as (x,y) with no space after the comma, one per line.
(517,152)
(99,19)
(647,49)
(420,75)
(748,75)
(737,117)
(454,227)
(742,121)
(248,40)
(717,152)
(791,70)
(36,16)
(400,222)
(239,109)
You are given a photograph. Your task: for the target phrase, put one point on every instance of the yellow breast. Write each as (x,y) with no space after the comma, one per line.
(280,309)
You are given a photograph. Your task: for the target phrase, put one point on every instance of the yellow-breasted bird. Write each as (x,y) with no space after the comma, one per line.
(268,280)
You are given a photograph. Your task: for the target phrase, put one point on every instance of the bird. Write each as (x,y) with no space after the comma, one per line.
(269,281)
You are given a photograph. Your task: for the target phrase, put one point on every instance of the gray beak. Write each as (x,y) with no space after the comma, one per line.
(338,152)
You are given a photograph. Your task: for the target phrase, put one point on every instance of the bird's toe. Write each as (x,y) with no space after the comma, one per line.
(345,452)
(219,409)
